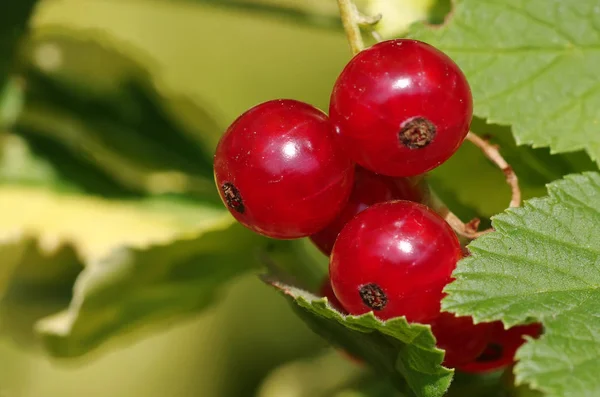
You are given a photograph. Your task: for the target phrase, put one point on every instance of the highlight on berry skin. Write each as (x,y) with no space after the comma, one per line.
(369,188)
(280,171)
(354,183)
(401,108)
(394,259)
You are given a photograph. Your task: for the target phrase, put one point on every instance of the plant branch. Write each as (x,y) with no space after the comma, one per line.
(350,20)
(492,152)
(469,229)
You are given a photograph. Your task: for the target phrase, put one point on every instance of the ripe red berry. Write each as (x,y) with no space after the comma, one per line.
(501,349)
(401,107)
(327,292)
(279,171)
(462,340)
(394,258)
(369,188)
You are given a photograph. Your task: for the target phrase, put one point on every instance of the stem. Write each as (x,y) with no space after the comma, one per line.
(349,17)
(493,154)
(469,229)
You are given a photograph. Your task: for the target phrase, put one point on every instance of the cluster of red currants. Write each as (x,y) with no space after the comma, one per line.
(352,182)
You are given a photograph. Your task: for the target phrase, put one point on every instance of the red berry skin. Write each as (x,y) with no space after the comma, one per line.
(501,349)
(401,107)
(369,188)
(327,292)
(394,258)
(462,340)
(280,172)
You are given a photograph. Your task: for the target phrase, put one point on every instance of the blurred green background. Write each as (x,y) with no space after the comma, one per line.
(227,61)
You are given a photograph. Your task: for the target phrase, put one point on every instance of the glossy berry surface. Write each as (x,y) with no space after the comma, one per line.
(327,292)
(462,340)
(401,107)
(394,258)
(369,188)
(279,171)
(501,349)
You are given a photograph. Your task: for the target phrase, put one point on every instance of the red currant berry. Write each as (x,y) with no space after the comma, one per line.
(279,171)
(462,340)
(327,292)
(501,349)
(394,258)
(369,188)
(401,107)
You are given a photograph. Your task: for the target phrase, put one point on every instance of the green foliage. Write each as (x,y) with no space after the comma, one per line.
(319,376)
(405,353)
(11,102)
(531,65)
(132,287)
(39,277)
(113,126)
(133,263)
(313,12)
(487,194)
(116,201)
(110,223)
(14,18)
(542,263)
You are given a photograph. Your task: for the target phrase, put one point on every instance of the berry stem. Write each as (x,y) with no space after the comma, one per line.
(469,229)
(350,20)
(492,152)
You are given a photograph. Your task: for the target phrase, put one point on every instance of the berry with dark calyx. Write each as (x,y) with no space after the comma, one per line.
(394,259)
(327,292)
(280,172)
(369,188)
(401,107)
(462,340)
(501,349)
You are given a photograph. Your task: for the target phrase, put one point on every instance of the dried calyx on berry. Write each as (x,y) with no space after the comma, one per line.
(501,348)
(394,259)
(280,171)
(401,107)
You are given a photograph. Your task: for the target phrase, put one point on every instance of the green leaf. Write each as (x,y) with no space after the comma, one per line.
(153,285)
(98,116)
(404,352)
(495,384)
(542,263)
(314,377)
(487,193)
(133,263)
(38,283)
(14,17)
(11,102)
(314,12)
(531,64)
(19,165)
(96,226)
(397,16)
(325,14)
